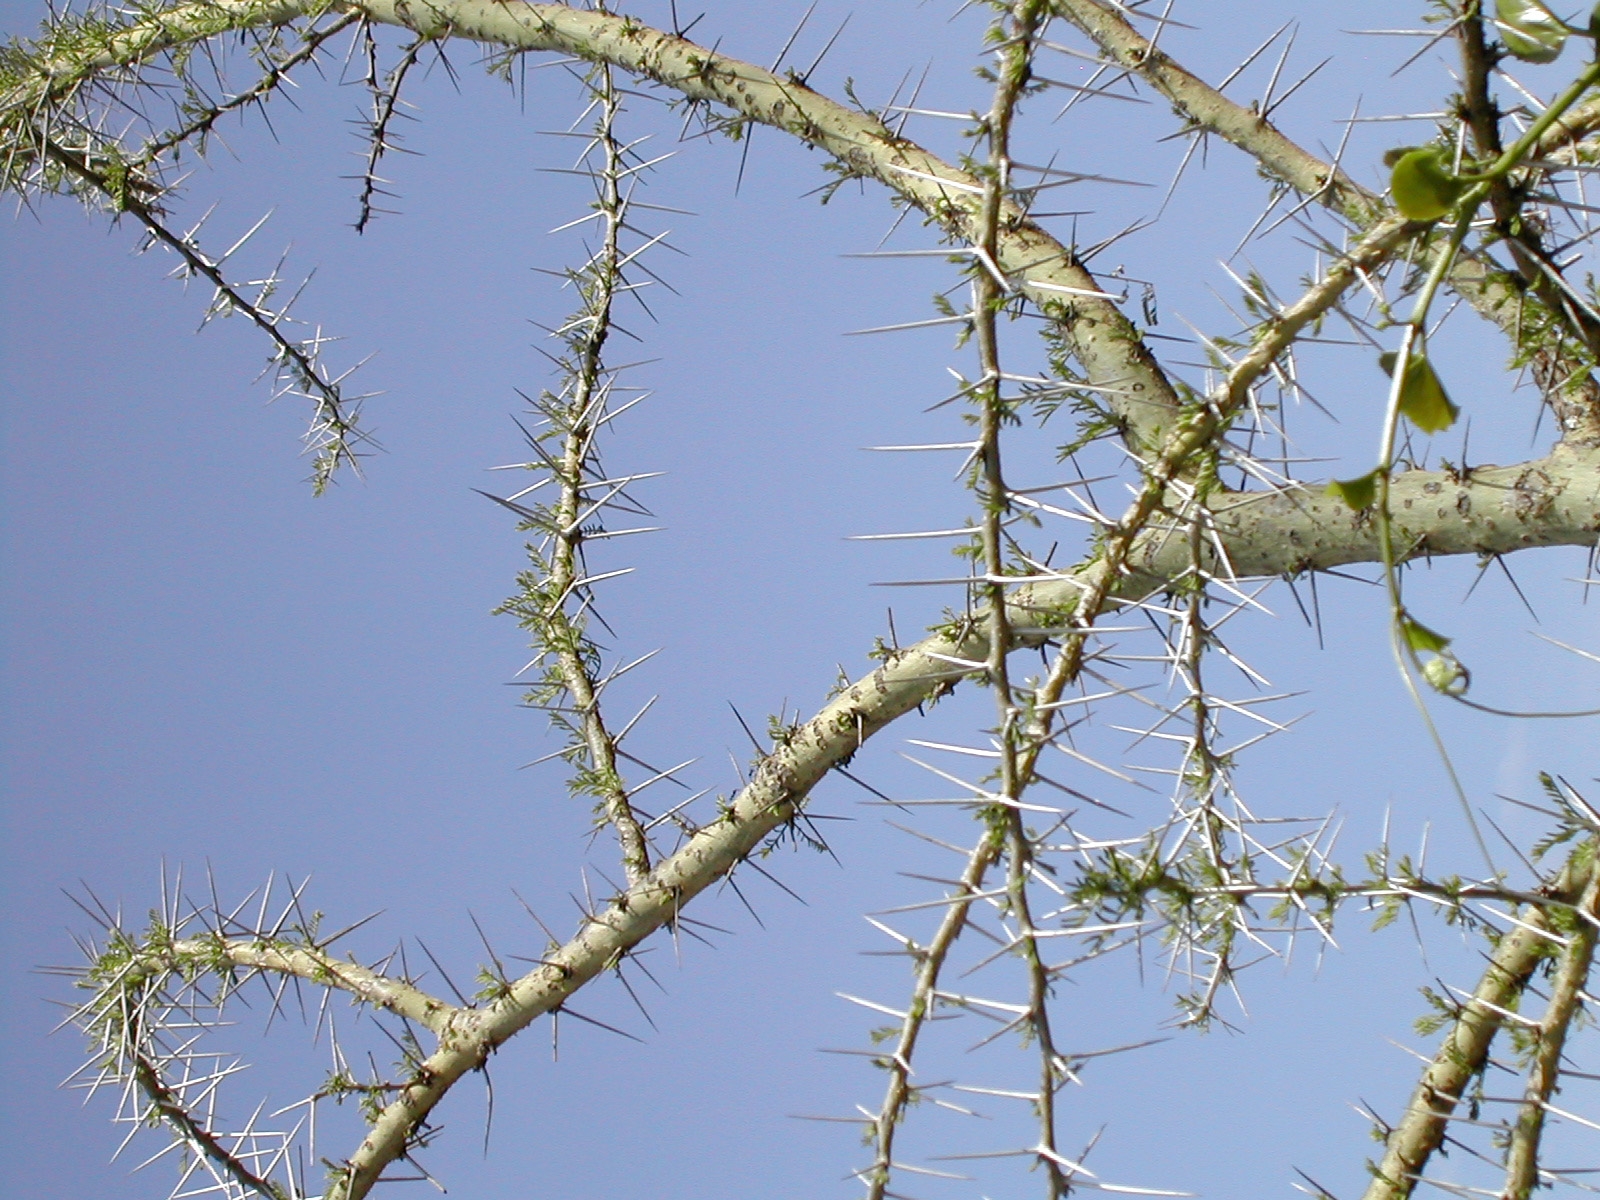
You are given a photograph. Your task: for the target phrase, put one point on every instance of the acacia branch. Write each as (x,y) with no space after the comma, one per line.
(1103,340)
(272,79)
(1106,344)
(334,434)
(580,418)
(75,52)
(385,108)
(1465,1051)
(1114,358)
(1209,110)
(1502,297)
(168,1105)
(930,960)
(139,985)
(1566,1001)
(1019,35)
(1553,501)
(1487,510)
(270,956)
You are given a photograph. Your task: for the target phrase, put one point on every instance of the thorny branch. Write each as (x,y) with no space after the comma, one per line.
(557,600)
(929,961)
(1003,822)
(1523,1175)
(1184,536)
(1465,1050)
(52,139)
(1506,299)
(385,89)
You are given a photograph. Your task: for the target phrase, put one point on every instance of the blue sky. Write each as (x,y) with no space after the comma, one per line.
(206,667)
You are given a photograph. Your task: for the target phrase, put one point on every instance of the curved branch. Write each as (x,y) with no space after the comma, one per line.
(217,953)
(364,984)
(1102,339)
(1492,510)
(76,51)
(1465,1050)
(1499,296)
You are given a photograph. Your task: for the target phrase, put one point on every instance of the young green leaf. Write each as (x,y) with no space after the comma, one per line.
(1423,189)
(1529,30)
(1423,401)
(1358,493)
(1419,637)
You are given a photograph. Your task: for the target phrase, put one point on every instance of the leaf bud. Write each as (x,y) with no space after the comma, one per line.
(1445,674)
(1423,189)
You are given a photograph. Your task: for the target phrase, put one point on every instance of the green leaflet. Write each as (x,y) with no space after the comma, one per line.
(1358,493)
(1423,401)
(1529,30)
(1419,637)
(1423,189)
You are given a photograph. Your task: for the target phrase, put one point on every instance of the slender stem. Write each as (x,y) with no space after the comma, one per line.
(385,105)
(1465,1050)
(930,964)
(335,432)
(275,76)
(168,1105)
(1405,655)
(1544,1072)
(1015,60)
(585,410)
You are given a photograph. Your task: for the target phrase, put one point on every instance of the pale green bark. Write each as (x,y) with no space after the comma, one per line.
(1485,511)
(1465,1051)
(1555,501)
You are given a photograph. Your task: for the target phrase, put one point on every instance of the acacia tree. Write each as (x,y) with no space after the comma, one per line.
(1485,222)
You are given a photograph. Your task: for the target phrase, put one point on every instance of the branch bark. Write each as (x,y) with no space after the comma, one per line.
(1465,1051)
(315,966)
(1492,510)
(1500,296)
(1484,510)
(1107,345)
(1552,501)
